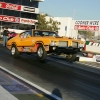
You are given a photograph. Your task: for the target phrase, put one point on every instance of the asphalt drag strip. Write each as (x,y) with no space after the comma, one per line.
(21,89)
(73,82)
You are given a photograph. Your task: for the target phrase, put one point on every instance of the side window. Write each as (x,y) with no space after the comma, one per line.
(30,33)
(52,34)
(37,33)
(24,35)
(45,33)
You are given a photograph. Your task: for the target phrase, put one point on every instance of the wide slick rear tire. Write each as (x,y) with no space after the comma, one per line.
(41,53)
(14,51)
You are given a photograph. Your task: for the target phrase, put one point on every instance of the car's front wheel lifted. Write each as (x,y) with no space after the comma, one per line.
(41,53)
(14,51)
(71,57)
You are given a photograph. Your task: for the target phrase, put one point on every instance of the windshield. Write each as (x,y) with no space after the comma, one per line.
(45,33)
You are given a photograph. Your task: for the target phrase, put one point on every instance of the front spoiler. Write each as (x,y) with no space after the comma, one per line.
(66,50)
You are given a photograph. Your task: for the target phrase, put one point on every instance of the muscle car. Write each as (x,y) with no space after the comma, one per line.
(43,42)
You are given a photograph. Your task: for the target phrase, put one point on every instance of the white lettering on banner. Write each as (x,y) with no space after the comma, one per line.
(91,28)
(27,21)
(12,6)
(87,23)
(8,19)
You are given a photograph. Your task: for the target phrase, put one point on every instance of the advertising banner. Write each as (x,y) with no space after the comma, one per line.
(9,19)
(17,20)
(87,23)
(10,6)
(29,9)
(17,7)
(28,21)
(88,28)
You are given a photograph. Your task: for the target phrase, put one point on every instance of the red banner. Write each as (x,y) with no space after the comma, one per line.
(9,19)
(88,28)
(10,6)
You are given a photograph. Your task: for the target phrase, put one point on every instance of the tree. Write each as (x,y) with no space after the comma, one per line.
(47,23)
(88,34)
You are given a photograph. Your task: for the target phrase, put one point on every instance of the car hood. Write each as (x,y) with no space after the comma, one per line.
(62,39)
(53,38)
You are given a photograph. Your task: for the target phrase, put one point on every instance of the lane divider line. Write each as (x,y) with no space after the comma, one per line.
(32,84)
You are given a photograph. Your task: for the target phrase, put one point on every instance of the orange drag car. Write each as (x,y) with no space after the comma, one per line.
(43,42)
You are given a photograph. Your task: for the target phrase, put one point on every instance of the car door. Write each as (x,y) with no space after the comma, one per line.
(25,39)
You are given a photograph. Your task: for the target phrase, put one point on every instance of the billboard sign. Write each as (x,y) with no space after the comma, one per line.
(87,23)
(9,19)
(87,28)
(17,20)
(10,6)
(28,9)
(17,7)
(28,21)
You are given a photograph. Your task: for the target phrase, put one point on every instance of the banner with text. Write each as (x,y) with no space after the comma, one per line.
(88,28)
(9,19)
(17,20)
(28,21)
(17,7)
(10,6)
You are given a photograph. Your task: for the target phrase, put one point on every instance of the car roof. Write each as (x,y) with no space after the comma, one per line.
(43,30)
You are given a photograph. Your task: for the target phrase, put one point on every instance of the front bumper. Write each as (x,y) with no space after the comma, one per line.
(65,50)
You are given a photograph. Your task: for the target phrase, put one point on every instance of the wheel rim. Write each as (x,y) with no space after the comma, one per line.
(13,50)
(40,52)
(69,56)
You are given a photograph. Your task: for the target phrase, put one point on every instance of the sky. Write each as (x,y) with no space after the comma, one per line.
(77,9)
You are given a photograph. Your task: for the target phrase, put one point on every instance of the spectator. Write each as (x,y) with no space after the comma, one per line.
(5,36)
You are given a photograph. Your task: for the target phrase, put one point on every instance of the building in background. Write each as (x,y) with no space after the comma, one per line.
(19,14)
(70,27)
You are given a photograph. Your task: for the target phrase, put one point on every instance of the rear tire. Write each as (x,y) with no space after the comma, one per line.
(71,57)
(14,51)
(41,53)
